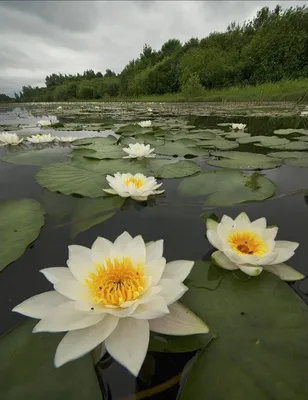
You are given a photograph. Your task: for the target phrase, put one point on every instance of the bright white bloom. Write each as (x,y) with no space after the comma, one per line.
(44,122)
(59,108)
(139,150)
(68,139)
(240,127)
(145,124)
(114,293)
(9,138)
(96,107)
(138,187)
(304,114)
(251,247)
(150,109)
(41,138)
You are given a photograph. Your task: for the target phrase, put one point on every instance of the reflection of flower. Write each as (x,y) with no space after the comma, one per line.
(240,127)
(66,139)
(41,138)
(251,247)
(145,124)
(114,293)
(139,150)
(9,138)
(139,187)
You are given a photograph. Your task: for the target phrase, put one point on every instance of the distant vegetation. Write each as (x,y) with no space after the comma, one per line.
(271,48)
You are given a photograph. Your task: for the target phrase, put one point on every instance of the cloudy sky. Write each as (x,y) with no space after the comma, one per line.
(42,37)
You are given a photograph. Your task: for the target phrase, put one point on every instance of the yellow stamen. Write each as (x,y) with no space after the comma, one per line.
(247,243)
(137,182)
(116,281)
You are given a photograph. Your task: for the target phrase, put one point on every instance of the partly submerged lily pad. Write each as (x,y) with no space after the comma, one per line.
(28,373)
(261,347)
(243,160)
(20,224)
(224,187)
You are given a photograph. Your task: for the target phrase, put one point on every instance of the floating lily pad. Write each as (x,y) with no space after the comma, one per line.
(37,157)
(237,135)
(292,158)
(243,160)
(261,347)
(132,130)
(94,140)
(178,149)
(272,142)
(188,135)
(20,224)
(220,144)
(224,188)
(99,152)
(289,131)
(170,169)
(251,139)
(28,373)
(146,139)
(292,146)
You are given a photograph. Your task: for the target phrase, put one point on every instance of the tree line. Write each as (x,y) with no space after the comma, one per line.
(271,47)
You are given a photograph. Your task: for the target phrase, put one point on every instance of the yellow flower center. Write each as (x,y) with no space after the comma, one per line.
(247,243)
(116,281)
(137,182)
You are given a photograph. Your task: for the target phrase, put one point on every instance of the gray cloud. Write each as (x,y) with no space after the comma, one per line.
(42,37)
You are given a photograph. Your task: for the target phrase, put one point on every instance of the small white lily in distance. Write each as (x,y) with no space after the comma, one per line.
(240,127)
(114,293)
(59,108)
(7,138)
(44,122)
(139,150)
(251,247)
(66,139)
(46,138)
(145,124)
(138,187)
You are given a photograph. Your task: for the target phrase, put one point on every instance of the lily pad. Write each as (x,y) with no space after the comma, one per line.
(272,142)
(146,139)
(37,157)
(20,224)
(289,131)
(237,135)
(178,149)
(220,144)
(261,347)
(292,146)
(96,141)
(27,370)
(227,187)
(99,152)
(188,135)
(251,139)
(170,169)
(243,160)
(292,158)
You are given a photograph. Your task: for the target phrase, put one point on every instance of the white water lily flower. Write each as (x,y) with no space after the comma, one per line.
(66,139)
(251,247)
(44,122)
(139,150)
(46,138)
(114,293)
(145,124)
(59,108)
(240,127)
(138,187)
(7,138)
(150,109)
(96,107)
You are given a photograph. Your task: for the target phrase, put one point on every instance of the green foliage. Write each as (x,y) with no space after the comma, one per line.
(192,87)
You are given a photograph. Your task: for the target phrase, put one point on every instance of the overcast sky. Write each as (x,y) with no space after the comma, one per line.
(38,38)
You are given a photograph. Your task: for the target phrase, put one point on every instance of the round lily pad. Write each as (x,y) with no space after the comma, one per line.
(243,160)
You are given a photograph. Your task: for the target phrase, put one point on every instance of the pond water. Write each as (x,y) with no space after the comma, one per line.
(171,216)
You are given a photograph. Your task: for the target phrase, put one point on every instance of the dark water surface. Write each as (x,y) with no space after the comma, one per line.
(173,218)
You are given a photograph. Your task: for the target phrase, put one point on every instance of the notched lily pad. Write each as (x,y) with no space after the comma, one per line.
(243,160)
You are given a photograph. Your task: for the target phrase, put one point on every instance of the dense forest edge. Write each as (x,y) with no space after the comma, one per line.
(265,59)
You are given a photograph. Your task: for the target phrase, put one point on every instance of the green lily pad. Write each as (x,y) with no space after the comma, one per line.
(37,157)
(243,160)
(132,130)
(99,152)
(251,139)
(170,169)
(292,158)
(20,224)
(261,347)
(187,135)
(237,135)
(289,131)
(91,212)
(272,142)
(28,373)
(146,139)
(292,146)
(177,149)
(227,187)
(84,176)
(96,141)
(220,144)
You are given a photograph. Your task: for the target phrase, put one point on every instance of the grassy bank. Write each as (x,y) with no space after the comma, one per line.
(295,91)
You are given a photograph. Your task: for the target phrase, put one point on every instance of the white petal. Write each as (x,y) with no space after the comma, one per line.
(139,198)
(178,270)
(40,305)
(136,250)
(172,290)
(102,248)
(128,343)
(214,239)
(80,262)
(149,294)
(155,270)
(259,223)
(284,250)
(77,343)
(284,271)
(154,250)
(242,220)
(56,274)
(221,260)
(250,270)
(181,321)
(66,318)
(123,242)
(270,233)
(70,288)
(154,309)
(211,225)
